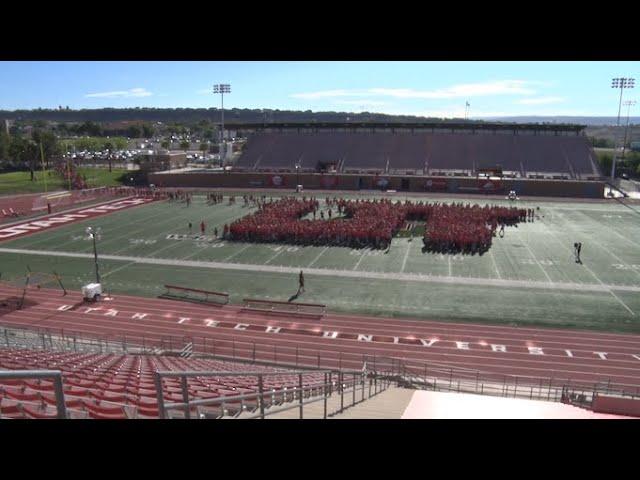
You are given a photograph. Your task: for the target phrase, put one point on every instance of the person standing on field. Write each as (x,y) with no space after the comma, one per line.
(300,283)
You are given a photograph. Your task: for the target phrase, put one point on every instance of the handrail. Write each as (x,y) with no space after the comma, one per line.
(278,302)
(188,289)
(357,378)
(56,375)
(421,373)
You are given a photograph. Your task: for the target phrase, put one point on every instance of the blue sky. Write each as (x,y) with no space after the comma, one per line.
(414,88)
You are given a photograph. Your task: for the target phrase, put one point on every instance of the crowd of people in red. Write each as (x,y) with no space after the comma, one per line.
(373,223)
(459,228)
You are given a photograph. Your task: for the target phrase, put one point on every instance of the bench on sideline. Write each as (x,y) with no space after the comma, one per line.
(273,306)
(195,295)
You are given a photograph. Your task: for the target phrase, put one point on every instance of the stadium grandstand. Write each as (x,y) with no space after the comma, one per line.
(518,150)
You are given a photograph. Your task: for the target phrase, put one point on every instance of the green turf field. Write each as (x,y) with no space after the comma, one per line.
(528,277)
(20,182)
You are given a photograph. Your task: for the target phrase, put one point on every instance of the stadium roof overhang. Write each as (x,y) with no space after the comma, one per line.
(557,127)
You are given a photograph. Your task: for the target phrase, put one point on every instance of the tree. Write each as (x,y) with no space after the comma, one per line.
(90,128)
(108,146)
(147,130)
(25,153)
(204,147)
(166,144)
(209,134)
(134,131)
(5,143)
(606,161)
(184,145)
(49,142)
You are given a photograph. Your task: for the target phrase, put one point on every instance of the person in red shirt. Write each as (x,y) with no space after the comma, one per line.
(202,227)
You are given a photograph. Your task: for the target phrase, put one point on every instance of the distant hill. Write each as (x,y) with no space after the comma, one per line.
(578,120)
(187,115)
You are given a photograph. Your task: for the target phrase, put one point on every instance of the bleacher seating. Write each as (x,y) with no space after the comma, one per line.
(116,386)
(388,152)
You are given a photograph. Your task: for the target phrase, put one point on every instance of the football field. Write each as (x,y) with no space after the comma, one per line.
(529,277)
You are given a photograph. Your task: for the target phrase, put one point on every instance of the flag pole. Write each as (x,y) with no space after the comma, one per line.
(44,171)
(69,172)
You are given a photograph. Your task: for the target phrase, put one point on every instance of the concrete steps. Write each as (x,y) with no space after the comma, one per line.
(390,403)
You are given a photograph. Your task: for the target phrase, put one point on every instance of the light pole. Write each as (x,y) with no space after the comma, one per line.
(629,104)
(222,88)
(94,233)
(621,83)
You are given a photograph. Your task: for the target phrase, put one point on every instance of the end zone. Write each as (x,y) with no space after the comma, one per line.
(53,221)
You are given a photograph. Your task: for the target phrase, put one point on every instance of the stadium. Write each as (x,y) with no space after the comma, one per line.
(337,270)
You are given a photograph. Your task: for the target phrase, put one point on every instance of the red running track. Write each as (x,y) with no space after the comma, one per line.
(533,354)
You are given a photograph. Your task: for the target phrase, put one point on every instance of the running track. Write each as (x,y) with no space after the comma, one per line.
(593,357)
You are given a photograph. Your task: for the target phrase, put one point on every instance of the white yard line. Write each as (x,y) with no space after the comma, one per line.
(406,255)
(318,257)
(166,247)
(117,269)
(359,260)
(164,233)
(611,230)
(534,258)
(237,252)
(282,248)
(195,252)
(609,287)
(483,282)
(495,265)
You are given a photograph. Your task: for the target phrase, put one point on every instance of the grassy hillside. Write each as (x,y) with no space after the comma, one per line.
(20,182)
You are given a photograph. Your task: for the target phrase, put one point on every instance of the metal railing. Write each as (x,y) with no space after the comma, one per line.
(428,375)
(56,375)
(304,393)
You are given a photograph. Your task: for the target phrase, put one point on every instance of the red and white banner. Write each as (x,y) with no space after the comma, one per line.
(51,221)
(487,185)
(276,181)
(329,181)
(435,184)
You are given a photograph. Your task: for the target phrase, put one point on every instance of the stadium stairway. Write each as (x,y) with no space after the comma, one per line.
(388,404)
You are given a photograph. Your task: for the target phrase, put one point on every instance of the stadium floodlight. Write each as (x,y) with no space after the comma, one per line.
(222,88)
(628,104)
(95,234)
(621,83)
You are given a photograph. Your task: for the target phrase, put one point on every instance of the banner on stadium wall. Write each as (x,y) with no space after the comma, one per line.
(276,181)
(256,183)
(435,185)
(329,181)
(381,182)
(486,185)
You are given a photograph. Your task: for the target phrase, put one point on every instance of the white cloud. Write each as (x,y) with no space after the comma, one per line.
(540,100)
(361,103)
(330,94)
(133,92)
(499,87)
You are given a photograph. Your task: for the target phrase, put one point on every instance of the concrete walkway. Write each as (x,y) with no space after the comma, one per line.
(390,403)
